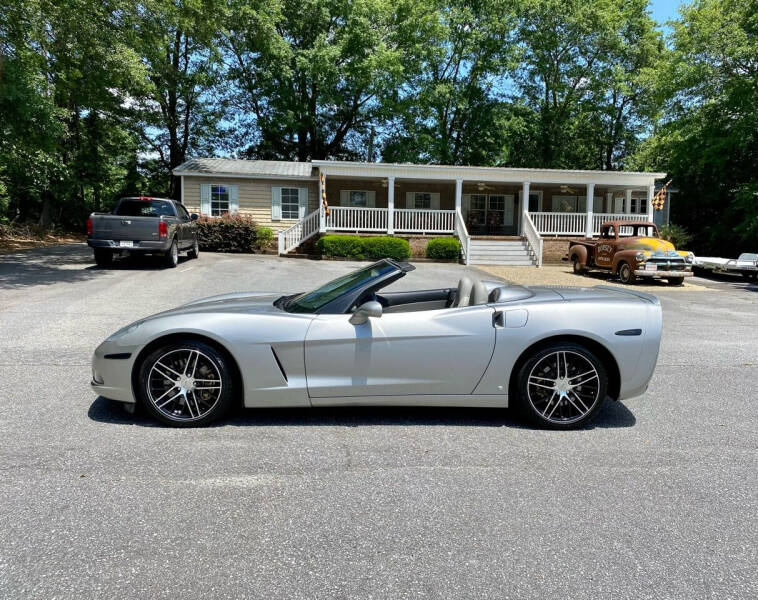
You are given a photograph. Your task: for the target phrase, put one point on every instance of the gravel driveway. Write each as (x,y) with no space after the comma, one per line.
(657,500)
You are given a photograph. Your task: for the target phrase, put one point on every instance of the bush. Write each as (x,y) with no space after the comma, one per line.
(676,234)
(353,246)
(387,247)
(448,247)
(230,233)
(264,238)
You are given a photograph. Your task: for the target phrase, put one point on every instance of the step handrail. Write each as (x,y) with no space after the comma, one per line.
(305,228)
(462,234)
(533,238)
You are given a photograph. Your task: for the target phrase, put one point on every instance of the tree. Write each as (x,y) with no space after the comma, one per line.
(313,76)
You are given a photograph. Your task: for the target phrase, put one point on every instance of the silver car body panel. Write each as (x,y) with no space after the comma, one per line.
(444,357)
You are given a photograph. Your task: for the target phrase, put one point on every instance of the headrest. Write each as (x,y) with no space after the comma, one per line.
(479,295)
(509,293)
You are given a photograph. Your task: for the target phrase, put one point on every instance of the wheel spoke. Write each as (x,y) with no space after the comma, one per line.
(162,366)
(547,387)
(179,393)
(194,366)
(189,406)
(194,399)
(542,378)
(583,381)
(579,400)
(548,404)
(554,407)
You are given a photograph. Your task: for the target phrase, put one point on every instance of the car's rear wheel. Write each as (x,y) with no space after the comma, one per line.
(675,280)
(562,386)
(186,384)
(578,267)
(626,275)
(195,250)
(171,258)
(103,257)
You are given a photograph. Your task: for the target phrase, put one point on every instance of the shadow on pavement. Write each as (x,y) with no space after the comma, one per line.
(614,415)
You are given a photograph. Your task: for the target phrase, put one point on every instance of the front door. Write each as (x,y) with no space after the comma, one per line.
(492,214)
(435,352)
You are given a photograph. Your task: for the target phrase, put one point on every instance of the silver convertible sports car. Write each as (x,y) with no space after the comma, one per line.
(556,353)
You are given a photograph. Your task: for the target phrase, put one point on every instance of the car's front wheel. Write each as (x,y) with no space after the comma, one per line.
(186,384)
(675,280)
(626,275)
(562,386)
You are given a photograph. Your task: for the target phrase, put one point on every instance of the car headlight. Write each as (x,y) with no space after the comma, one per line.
(640,256)
(690,258)
(124,331)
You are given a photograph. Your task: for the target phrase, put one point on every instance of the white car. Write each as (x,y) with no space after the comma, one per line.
(746,265)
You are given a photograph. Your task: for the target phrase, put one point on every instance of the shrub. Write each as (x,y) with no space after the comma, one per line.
(676,234)
(353,246)
(230,233)
(264,237)
(387,247)
(447,247)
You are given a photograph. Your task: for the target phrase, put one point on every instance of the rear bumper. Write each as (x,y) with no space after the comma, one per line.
(640,273)
(138,246)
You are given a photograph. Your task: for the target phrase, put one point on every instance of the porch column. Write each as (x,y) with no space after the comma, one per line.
(458,194)
(390,205)
(589,205)
(524,202)
(650,194)
(627,201)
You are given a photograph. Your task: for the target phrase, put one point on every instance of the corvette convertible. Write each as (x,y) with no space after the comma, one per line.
(556,353)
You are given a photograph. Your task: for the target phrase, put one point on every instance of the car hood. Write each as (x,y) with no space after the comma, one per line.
(240,302)
(650,244)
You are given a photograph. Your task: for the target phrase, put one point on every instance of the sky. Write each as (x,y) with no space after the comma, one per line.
(664,10)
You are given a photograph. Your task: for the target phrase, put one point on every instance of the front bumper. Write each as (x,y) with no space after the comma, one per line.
(112,371)
(138,246)
(643,273)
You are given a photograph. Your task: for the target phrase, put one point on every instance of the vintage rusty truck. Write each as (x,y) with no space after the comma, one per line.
(631,250)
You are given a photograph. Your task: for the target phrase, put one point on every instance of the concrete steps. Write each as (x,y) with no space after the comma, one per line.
(501,252)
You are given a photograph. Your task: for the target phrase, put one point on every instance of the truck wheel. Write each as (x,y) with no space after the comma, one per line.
(103,257)
(195,250)
(626,275)
(172,256)
(675,280)
(578,267)
(749,276)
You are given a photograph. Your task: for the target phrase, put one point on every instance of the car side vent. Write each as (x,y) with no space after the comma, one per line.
(279,364)
(629,332)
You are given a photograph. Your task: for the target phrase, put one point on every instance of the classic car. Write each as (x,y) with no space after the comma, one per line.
(746,264)
(631,249)
(557,354)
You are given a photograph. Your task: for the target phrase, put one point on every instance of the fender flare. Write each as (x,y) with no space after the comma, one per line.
(627,256)
(580,252)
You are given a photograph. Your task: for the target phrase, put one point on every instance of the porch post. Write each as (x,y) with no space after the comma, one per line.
(650,194)
(390,205)
(627,201)
(524,203)
(589,205)
(458,193)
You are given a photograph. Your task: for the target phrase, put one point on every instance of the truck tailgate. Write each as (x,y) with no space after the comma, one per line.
(114,227)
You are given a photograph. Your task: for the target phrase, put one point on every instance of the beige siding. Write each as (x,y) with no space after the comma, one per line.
(254,196)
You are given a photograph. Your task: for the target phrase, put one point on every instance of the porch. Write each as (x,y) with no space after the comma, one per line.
(470,201)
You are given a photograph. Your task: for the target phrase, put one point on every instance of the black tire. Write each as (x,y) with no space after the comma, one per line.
(171,258)
(578,267)
(194,252)
(564,408)
(625,273)
(749,276)
(103,257)
(197,406)
(675,280)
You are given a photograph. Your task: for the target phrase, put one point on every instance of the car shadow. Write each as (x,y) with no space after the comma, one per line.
(66,263)
(614,415)
(136,262)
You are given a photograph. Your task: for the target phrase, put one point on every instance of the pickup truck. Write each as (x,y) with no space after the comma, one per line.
(143,225)
(631,250)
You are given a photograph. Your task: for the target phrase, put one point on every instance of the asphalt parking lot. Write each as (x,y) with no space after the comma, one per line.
(657,500)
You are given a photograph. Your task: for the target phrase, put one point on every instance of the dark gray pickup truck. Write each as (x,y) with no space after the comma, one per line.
(143,225)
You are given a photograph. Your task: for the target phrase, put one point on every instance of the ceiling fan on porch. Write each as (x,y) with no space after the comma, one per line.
(481,186)
(565,189)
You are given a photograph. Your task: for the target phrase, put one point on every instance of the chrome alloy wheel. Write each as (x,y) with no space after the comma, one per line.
(563,386)
(184,384)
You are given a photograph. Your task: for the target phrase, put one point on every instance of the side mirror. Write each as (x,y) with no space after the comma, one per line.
(368,309)
(194,216)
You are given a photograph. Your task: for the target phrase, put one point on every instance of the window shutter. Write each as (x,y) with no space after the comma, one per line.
(556,203)
(618,205)
(205,199)
(344,198)
(371,199)
(234,199)
(276,203)
(410,200)
(302,199)
(508,205)
(581,204)
(435,204)
(597,204)
(465,203)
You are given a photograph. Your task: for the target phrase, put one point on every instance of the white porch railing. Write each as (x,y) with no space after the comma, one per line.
(354,218)
(410,220)
(292,237)
(533,238)
(462,234)
(561,223)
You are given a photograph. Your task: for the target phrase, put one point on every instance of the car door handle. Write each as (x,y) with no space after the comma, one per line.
(498,319)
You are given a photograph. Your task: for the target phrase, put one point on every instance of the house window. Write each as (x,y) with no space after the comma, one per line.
(219,200)
(638,206)
(643,206)
(422,200)
(290,203)
(358,198)
(497,203)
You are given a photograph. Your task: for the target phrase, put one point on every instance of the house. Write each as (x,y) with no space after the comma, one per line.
(483,206)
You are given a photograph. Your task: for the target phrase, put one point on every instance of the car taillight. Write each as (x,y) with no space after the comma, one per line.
(89,227)
(162,230)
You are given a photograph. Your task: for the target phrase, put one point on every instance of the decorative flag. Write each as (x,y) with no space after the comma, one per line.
(324,203)
(660,197)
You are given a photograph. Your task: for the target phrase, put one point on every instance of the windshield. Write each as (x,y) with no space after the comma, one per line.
(311,301)
(144,208)
(746,256)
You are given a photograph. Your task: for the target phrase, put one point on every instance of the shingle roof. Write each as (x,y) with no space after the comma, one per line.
(230,166)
